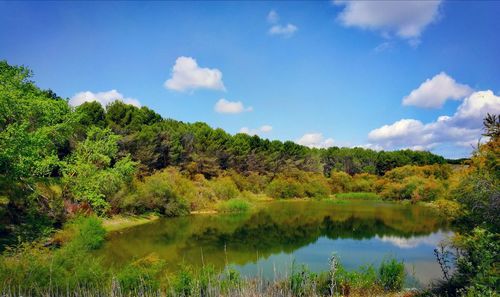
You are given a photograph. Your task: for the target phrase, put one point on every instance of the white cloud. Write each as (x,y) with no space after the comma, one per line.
(278,29)
(102,97)
(225,106)
(316,140)
(461,129)
(266,128)
(406,19)
(258,131)
(273,17)
(285,31)
(432,240)
(187,75)
(434,92)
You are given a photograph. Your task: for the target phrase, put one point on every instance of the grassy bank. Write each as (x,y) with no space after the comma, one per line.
(120,222)
(358,195)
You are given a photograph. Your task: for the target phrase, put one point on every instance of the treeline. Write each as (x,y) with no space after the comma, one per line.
(54,157)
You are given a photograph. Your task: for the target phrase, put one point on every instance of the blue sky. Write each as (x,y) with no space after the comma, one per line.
(319,73)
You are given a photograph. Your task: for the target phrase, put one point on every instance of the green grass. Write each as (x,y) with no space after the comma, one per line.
(236,205)
(358,195)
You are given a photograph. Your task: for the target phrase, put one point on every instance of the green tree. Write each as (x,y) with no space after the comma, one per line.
(93,172)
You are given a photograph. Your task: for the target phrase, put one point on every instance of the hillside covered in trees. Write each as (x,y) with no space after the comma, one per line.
(56,159)
(57,162)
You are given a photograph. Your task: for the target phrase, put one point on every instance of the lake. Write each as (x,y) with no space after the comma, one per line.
(268,239)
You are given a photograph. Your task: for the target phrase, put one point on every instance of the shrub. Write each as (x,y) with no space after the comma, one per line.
(391,274)
(224,188)
(437,171)
(316,186)
(449,208)
(285,187)
(89,232)
(363,182)
(392,191)
(257,182)
(477,262)
(159,193)
(340,182)
(429,190)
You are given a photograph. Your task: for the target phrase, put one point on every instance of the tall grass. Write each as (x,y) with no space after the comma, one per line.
(236,205)
(143,278)
(72,270)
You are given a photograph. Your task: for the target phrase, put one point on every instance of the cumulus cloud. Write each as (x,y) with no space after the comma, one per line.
(406,19)
(187,75)
(102,97)
(225,106)
(285,31)
(316,140)
(434,92)
(463,128)
(258,131)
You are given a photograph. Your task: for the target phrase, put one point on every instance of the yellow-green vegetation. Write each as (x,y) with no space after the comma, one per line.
(234,206)
(358,195)
(71,270)
(58,162)
(119,222)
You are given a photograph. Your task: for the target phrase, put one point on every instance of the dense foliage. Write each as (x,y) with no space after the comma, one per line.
(56,160)
(475,251)
(59,162)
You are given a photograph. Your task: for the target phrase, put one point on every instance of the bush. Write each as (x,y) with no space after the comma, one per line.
(285,187)
(391,274)
(316,186)
(224,188)
(363,182)
(89,232)
(477,262)
(392,191)
(429,190)
(437,171)
(449,208)
(340,182)
(159,193)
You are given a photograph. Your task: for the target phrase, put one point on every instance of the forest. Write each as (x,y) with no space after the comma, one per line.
(56,158)
(63,169)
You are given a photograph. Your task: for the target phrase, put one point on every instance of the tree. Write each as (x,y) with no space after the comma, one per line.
(93,173)
(492,125)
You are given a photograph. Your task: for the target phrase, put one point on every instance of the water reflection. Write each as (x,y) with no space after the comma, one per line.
(266,239)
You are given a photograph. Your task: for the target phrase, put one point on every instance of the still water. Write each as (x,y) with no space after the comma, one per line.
(268,239)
